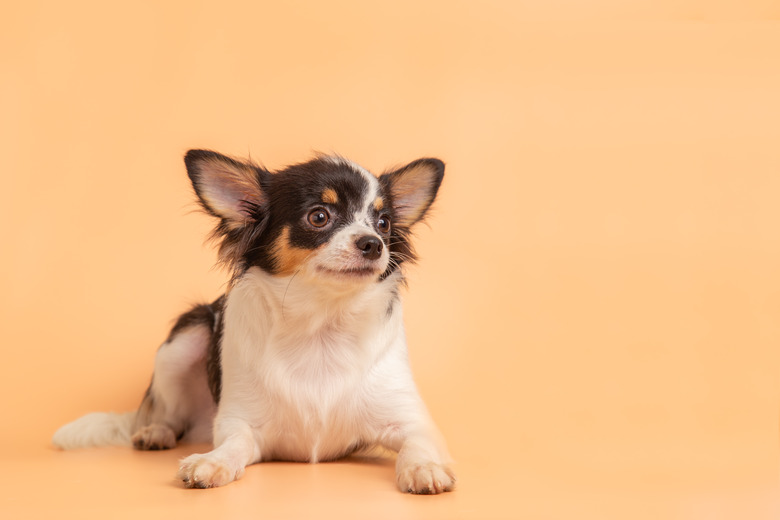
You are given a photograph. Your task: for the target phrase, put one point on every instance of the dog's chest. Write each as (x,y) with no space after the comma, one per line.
(315,386)
(304,373)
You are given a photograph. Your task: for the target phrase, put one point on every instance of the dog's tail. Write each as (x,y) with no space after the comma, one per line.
(96,429)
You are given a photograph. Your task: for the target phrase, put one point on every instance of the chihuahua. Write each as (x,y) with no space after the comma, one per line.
(304,357)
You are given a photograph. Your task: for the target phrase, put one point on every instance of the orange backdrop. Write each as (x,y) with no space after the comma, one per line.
(595,321)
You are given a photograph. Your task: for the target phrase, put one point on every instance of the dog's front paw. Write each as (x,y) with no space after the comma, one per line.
(425,479)
(204,471)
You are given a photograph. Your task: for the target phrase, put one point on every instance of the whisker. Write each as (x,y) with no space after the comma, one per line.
(401,256)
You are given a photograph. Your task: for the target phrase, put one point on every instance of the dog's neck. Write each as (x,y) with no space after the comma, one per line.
(303,304)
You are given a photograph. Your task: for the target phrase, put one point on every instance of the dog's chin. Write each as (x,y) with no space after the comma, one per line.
(356,275)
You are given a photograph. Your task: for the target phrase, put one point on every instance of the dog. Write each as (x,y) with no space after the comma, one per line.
(304,357)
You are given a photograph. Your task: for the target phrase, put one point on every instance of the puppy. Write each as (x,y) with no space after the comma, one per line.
(304,358)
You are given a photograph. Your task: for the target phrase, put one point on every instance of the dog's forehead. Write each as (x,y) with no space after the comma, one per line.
(331,180)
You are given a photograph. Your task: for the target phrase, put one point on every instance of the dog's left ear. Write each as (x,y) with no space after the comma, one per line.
(412,189)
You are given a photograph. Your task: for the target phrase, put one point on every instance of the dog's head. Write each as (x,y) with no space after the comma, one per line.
(326,218)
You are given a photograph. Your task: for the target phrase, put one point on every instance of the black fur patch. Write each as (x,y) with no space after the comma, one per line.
(213,358)
(293,193)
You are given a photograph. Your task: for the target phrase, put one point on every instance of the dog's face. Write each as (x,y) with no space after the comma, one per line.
(327,219)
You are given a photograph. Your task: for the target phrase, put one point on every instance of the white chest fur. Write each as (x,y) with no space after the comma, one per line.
(306,366)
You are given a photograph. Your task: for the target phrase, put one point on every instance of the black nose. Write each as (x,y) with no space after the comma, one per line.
(370,245)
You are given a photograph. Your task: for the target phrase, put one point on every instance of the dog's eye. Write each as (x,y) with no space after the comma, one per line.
(383,224)
(319,217)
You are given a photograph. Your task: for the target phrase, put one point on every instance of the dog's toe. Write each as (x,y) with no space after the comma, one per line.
(201,472)
(425,479)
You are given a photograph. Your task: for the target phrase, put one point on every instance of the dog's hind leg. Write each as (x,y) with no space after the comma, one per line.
(179,401)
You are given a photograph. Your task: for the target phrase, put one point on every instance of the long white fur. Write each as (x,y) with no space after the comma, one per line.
(96,429)
(309,373)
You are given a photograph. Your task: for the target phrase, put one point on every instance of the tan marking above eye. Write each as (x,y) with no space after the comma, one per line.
(329,196)
(288,257)
(379,204)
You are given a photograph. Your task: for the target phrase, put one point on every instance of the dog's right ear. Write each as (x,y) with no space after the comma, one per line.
(227,188)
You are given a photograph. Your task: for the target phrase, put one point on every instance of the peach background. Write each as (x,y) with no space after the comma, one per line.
(595,321)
